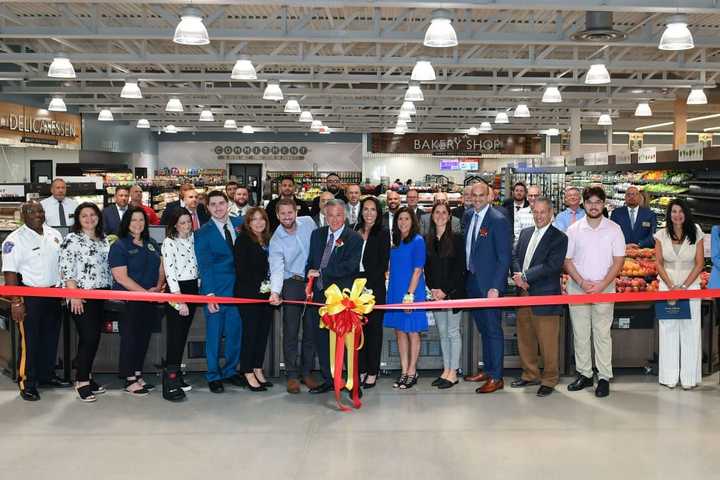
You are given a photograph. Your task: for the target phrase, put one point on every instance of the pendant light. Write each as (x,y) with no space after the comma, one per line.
(57,104)
(305,117)
(315,125)
(170,129)
(597,75)
(174,105)
(273,91)
(423,71)
(677,35)
(248,129)
(643,110)
(408,107)
(292,106)
(501,117)
(401,123)
(230,124)
(142,123)
(552,132)
(243,70)
(697,96)
(191,29)
(440,33)
(414,94)
(131,90)
(473,131)
(604,120)
(105,115)
(399,131)
(551,95)
(61,68)
(521,111)
(404,116)
(485,127)
(324,130)
(206,116)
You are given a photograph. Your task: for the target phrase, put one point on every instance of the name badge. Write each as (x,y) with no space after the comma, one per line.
(646,224)
(150,247)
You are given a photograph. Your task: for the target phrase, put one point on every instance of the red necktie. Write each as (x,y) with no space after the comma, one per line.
(195,221)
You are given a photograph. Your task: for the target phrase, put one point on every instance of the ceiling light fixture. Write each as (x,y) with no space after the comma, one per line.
(689,120)
(473,131)
(408,107)
(206,116)
(697,96)
(604,120)
(191,29)
(521,111)
(404,116)
(551,95)
(643,110)
(273,92)
(230,124)
(170,129)
(485,126)
(324,130)
(305,117)
(399,131)
(174,105)
(248,129)
(502,117)
(292,106)
(677,35)
(552,132)
(315,125)
(105,115)
(131,90)
(597,75)
(243,70)
(423,71)
(414,94)
(142,123)
(57,104)
(440,33)
(61,68)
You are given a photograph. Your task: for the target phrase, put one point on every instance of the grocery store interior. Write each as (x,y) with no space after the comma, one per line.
(384,94)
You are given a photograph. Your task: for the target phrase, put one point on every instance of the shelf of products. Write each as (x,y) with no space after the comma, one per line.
(311,183)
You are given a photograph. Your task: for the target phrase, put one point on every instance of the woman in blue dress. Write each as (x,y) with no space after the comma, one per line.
(406,285)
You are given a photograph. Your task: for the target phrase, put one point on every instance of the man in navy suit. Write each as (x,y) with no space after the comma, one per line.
(488,249)
(638,223)
(537,266)
(214,249)
(334,258)
(113,213)
(189,201)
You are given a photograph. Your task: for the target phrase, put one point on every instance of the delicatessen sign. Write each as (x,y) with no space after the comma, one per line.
(456,144)
(25,125)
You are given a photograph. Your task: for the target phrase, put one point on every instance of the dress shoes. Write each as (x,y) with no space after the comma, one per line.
(478,377)
(293,385)
(55,382)
(310,382)
(322,388)
(437,382)
(603,389)
(216,386)
(447,384)
(545,391)
(30,395)
(519,383)
(580,383)
(491,386)
(236,380)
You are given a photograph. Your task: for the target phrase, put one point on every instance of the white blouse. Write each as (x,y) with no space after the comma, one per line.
(179,261)
(86,261)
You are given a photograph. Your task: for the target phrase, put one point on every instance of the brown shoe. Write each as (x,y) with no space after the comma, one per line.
(478,377)
(310,382)
(293,385)
(491,386)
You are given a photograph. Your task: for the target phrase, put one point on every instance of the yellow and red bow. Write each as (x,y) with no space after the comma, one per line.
(344,316)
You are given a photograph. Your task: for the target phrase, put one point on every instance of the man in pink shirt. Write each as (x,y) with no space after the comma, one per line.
(595,255)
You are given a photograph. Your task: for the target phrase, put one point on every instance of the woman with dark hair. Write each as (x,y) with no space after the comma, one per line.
(84,264)
(253,281)
(136,266)
(445,274)
(373,266)
(406,284)
(181,273)
(680,258)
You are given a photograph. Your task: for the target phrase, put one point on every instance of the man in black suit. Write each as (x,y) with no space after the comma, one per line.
(459,212)
(537,268)
(188,200)
(286,188)
(332,185)
(393,203)
(112,214)
(323,199)
(334,258)
(412,197)
(518,201)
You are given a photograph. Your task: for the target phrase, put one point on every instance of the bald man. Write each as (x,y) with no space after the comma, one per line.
(638,223)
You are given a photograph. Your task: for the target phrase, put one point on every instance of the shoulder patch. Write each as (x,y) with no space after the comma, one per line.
(7,247)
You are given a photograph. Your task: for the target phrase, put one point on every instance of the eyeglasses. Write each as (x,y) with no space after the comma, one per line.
(595,202)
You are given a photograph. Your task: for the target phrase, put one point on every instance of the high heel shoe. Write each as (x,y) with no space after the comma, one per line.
(410,381)
(249,386)
(265,384)
(366,385)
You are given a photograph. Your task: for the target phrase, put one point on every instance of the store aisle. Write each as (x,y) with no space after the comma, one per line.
(641,431)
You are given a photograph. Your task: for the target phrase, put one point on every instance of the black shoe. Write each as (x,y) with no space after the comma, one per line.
(603,389)
(265,384)
(140,392)
(185,387)
(410,382)
(519,383)
(447,384)
(437,382)
(55,382)
(369,385)
(580,383)
(171,386)
(323,388)
(30,395)
(544,391)
(85,394)
(97,389)
(236,380)
(147,386)
(216,386)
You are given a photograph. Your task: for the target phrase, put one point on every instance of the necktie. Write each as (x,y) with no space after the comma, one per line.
(326,256)
(353,214)
(530,252)
(633,215)
(517,208)
(195,221)
(228,237)
(121,212)
(473,237)
(61,214)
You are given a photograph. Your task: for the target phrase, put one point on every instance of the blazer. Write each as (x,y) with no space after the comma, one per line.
(455,225)
(302,211)
(202,213)
(645,226)
(111,219)
(458,212)
(447,273)
(216,262)
(344,264)
(376,261)
(493,252)
(545,270)
(251,267)
(509,206)
(347,216)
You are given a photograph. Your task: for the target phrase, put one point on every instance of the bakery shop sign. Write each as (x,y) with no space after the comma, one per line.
(25,125)
(456,144)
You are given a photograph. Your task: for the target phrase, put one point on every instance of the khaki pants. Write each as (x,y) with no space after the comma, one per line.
(592,321)
(541,331)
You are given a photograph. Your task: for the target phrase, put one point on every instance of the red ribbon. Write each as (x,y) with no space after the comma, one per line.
(342,324)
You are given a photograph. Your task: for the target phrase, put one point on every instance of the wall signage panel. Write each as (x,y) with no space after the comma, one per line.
(22,125)
(456,144)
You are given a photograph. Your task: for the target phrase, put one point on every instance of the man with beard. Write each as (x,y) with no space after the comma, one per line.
(287,190)
(393,204)
(332,185)
(241,203)
(352,207)
(595,255)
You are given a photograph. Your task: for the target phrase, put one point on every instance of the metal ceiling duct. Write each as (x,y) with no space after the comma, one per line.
(599,29)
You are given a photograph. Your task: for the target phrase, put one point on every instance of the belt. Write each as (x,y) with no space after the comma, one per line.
(297,278)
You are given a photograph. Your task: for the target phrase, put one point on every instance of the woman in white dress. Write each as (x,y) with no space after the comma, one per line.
(680,259)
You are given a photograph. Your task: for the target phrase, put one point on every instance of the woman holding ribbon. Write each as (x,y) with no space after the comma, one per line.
(406,284)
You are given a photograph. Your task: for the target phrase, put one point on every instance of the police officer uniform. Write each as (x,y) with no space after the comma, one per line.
(34,258)
(57,213)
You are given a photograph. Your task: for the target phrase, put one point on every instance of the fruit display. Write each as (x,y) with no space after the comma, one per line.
(633,284)
(633,252)
(638,267)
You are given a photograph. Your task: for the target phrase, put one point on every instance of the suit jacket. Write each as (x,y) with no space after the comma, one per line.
(645,226)
(216,261)
(315,207)
(545,270)
(111,219)
(509,206)
(455,225)
(303,211)
(492,254)
(447,273)
(202,213)
(458,212)
(251,267)
(347,216)
(344,264)
(376,261)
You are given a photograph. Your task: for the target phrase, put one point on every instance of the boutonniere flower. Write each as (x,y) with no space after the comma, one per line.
(483,232)
(339,243)
(265,286)
(238,229)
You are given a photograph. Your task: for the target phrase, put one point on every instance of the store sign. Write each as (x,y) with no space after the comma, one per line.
(25,125)
(469,165)
(259,152)
(647,155)
(596,158)
(12,191)
(691,152)
(622,158)
(455,144)
(449,164)
(635,141)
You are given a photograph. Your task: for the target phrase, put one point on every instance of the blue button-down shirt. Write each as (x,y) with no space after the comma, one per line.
(563,219)
(289,252)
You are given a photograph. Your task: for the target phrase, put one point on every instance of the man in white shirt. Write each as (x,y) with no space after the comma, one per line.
(59,210)
(30,254)
(320,219)
(352,207)
(523,217)
(242,202)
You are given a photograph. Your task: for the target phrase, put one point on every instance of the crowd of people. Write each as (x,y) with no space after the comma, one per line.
(228,247)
